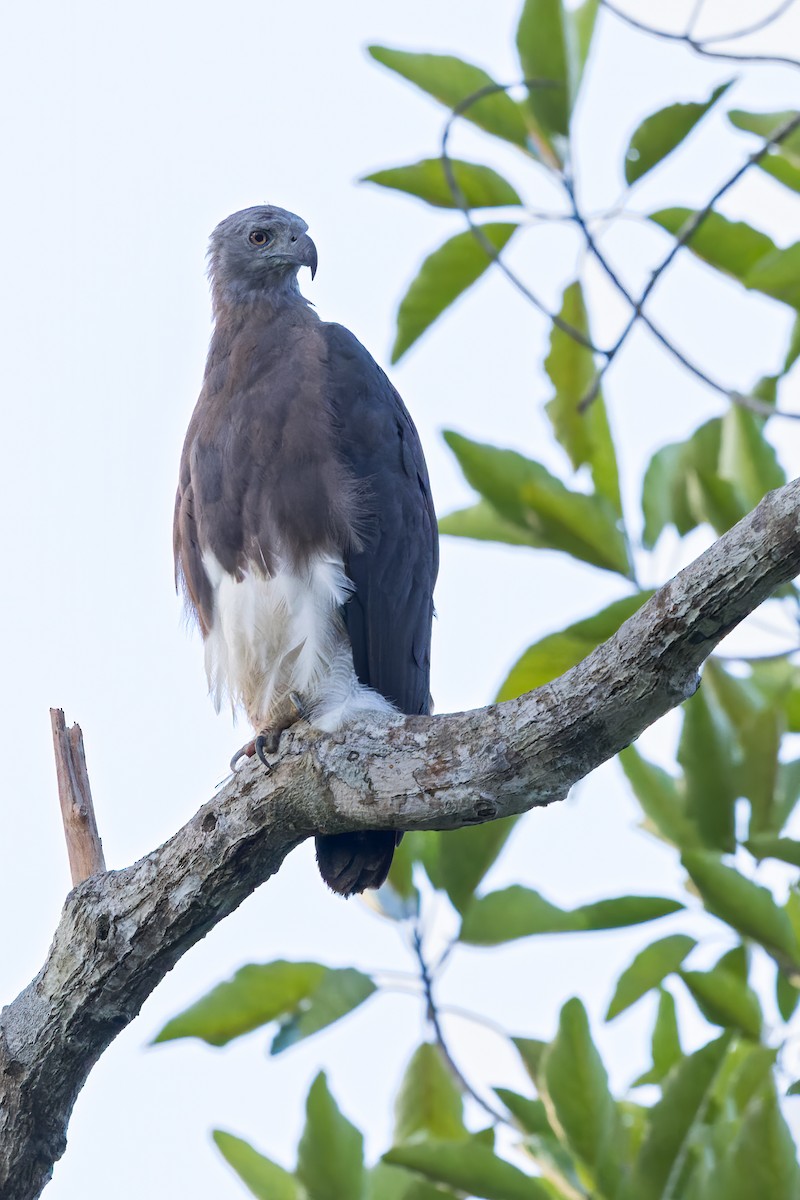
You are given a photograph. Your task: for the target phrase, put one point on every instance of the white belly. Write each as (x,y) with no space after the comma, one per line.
(281,634)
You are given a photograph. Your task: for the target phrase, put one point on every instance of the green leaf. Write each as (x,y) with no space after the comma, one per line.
(673,1119)
(738,696)
(444,276)
(716,476)
(531,1114)
(513,913)
(465,855)
(579,27)
(543,53)
(746,459)
(625,910)
(737,249)
(264,1178)
(725,1000)
(304,997)
(470,1167)
(393,1183)
(662,798)
(257,994)
(330,1160)
(545,660)
(480,186)
(451,80)
(531,1051)
(731,246)
(746,1072)
(706,752)
(666,1042)
(665,498)
(766,125)
(557,1165)
(525,493)
(787,788)
(483,523)
(782,169)
(682,487)
(577,1089)
(792,910)
(338,993)
(762,1159)
(648,969)
(744,905)
(429,1100)
(766,845)
(758,776)
(793,349)
(777,275)
(585,435)
(661,133)
(786,995)
(517,912)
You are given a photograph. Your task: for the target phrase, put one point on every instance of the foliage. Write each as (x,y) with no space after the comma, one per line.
(711,1125)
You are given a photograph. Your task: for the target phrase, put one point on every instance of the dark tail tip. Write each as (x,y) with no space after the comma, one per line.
(351,862)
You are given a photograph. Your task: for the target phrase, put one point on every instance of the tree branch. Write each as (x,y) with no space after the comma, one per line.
(84,848)
(120,932)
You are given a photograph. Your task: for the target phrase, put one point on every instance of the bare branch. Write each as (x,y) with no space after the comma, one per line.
(120,932)
(701,45)
(84,848)
(743,31)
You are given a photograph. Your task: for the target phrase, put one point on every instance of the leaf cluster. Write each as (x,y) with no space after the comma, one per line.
(711,1124)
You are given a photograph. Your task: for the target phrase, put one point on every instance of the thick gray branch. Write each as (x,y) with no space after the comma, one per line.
(120,932)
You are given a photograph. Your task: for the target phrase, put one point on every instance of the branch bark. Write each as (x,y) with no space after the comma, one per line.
(120,932)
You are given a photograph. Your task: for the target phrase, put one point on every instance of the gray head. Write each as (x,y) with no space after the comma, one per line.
(259,251)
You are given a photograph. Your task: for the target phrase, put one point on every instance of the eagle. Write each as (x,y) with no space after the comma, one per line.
(304,534)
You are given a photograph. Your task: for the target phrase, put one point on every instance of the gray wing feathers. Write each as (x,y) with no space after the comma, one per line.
(389,615)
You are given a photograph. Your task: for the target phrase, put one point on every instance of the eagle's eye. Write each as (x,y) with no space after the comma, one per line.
(259,237)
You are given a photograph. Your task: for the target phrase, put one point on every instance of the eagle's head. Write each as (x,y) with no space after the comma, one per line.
(259,250)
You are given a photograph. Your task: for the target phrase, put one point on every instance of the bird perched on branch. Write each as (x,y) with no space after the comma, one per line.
(305,536)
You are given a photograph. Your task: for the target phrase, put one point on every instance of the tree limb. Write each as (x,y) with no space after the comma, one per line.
(120,932)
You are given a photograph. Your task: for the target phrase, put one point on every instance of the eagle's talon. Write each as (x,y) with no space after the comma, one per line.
(298,704)
(264,744)
(245,751)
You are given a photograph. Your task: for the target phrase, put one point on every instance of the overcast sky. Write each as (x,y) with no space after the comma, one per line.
(129,132)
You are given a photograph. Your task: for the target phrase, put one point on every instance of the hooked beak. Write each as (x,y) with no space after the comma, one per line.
(306,253)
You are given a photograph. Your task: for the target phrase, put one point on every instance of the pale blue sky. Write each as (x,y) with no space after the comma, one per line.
(130,133)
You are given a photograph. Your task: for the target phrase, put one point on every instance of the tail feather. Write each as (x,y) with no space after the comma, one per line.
(351,862)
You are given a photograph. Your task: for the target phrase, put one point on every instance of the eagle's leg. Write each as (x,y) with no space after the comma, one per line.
(266,741)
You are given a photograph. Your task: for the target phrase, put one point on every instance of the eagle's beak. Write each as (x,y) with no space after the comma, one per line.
(306,253)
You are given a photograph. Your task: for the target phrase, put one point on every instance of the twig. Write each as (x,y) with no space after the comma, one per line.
(433,1017)
(84,848)
(700,46)
(745,30)
(477,232)
(696,220)
(637,306)
(753,403)
(694,16)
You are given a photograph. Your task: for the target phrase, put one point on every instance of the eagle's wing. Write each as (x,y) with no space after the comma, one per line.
(389,615)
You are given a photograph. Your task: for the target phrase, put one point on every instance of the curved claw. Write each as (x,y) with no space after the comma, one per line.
(245,751)
(260,745)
